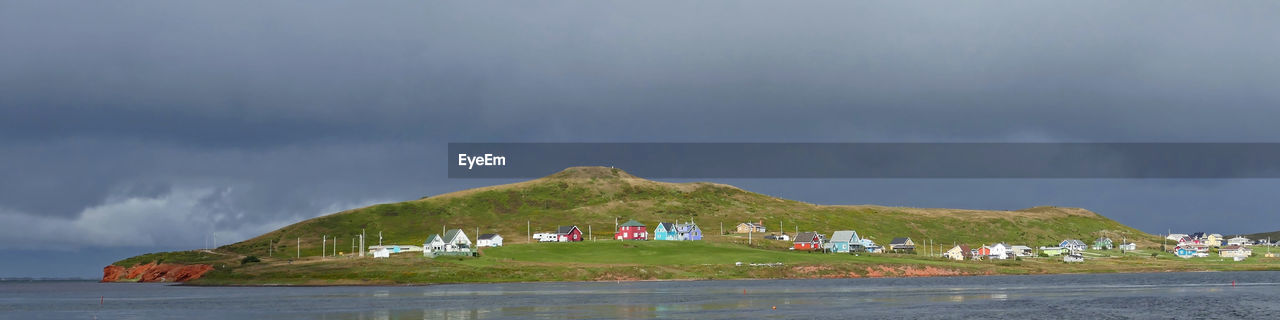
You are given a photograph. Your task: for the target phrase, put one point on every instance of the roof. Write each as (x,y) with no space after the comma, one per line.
(632,223)
(487,236)
(565,229)
(899,241)
(667,226)
(844,236)
(1073,242)
(963,248)
(1020,248)
(432,238)
(452,235)
(753,224)
(806,236)
(1103,239)
(1231,248)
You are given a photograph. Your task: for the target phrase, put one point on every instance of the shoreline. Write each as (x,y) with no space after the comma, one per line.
(249,285)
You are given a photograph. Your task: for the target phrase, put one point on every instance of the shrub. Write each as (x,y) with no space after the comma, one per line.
(249,259)
(1153,254)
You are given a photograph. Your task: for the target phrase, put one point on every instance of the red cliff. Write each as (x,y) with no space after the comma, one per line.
(153,272)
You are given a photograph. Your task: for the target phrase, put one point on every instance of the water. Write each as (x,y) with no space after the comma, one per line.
(1255,295)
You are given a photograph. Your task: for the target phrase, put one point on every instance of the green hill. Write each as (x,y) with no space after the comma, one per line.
(593,197)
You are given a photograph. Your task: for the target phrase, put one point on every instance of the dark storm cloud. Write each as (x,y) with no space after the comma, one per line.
(238,116)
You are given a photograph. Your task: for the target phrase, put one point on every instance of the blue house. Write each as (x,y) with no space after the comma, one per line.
(688,231)
(843,241)
(666,231)
(1185,251)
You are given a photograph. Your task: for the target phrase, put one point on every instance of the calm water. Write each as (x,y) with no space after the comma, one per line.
(1255,295)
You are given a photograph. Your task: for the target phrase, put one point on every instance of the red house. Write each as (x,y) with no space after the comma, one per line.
(984,252)
(808,241)
(569,234)
(632,230)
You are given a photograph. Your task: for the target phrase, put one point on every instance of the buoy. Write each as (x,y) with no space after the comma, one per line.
(101,298)
(775,307)
(1233,283)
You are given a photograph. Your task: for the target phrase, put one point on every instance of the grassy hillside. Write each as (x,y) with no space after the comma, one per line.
(593,197)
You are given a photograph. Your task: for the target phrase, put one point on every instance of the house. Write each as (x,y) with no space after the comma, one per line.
(778,237)
(808,241)
(489,240)
(1129,246)
(1051,251)
(1239,241)
(568,234)
(1184,251)
(434,243)
(1103,243)
(959,253)
(869,246)
(1214,240)
(751,227)
(998,251)
(1235,252)
(1072,245)
(902,245)
(1021,251)
(666,231)
(546,237)
(841,241)
(632,230)
(456,241)
(688,231)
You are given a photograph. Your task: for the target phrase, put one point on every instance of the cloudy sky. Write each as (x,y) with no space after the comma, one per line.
(139,126)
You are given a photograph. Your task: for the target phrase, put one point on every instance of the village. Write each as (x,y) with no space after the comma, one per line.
(455,242)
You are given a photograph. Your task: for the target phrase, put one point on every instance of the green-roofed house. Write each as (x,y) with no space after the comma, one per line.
(434,243)
(632,230)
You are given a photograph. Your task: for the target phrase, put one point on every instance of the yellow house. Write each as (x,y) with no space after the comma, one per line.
(959,253)
(1214,240)
(752,227)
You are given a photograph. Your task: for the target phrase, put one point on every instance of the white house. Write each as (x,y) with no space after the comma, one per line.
(1129,246)
(434,243)
(489,240)
(456,241)
(999,251)
(1176,236)
(1239,241)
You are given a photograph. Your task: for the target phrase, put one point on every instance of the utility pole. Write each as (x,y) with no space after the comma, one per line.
(528,230)
(324,240)
(379,238)
(298,248)
(592,236)
(361,243)
(270,247)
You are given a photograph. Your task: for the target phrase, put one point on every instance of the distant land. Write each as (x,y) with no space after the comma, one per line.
(595,198)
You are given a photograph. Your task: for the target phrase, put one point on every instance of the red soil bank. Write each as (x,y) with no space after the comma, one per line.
(153,272)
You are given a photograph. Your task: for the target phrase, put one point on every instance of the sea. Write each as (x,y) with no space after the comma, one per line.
(1189,295)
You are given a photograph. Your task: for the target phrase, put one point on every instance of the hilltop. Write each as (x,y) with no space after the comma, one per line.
(593,198)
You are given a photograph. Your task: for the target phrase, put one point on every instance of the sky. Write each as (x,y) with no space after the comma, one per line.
(141,126)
